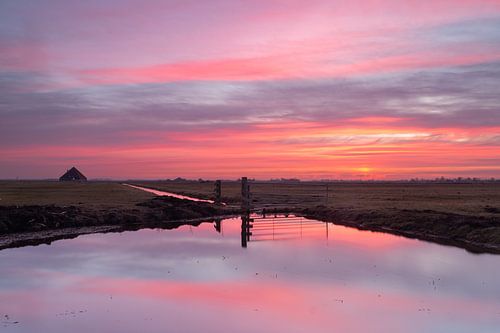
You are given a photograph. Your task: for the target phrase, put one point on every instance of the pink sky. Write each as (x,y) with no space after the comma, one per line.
(220,89)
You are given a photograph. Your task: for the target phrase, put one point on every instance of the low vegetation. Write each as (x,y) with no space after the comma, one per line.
(38,207)
(466,215)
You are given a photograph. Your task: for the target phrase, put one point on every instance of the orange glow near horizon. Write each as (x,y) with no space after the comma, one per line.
(304,89)
(305,150)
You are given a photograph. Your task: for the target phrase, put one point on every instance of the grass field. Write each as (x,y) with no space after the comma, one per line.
(464,199)
(34,212)
(465,215)
(89,194)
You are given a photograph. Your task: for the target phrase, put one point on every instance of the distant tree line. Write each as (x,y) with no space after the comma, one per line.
(441,180)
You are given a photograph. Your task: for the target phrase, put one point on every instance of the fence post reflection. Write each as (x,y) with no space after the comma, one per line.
(246,225)
(218,225)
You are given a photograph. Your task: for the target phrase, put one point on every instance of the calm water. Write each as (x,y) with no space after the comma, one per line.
(169,194)
(295,275)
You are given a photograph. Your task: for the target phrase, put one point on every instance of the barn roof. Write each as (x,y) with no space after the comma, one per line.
(73,174)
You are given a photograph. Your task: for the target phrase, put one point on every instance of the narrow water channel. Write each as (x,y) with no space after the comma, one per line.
(168,194)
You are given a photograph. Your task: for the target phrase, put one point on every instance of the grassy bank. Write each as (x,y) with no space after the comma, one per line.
(36,208)
(463,199)
(467,215)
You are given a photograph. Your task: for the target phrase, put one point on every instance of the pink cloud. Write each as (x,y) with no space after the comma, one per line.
(273,88)
(22,56)
(276,67)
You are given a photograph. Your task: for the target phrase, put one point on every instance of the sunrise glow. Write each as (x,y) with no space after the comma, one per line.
(218,89)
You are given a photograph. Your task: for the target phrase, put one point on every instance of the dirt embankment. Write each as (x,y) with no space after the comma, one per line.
(49,221)
(475,228)
(474,233)
(15,219)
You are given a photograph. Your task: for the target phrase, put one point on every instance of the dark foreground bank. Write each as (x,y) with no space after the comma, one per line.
(478,234)
(34,224)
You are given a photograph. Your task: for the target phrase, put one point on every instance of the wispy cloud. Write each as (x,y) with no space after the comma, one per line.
(306,88)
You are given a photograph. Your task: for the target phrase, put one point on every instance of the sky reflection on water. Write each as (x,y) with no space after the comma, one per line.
(196,279)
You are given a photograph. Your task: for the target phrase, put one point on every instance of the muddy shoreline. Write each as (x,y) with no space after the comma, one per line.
(16,219)
(474,234)
(33,225)
(35,238)
(42,224)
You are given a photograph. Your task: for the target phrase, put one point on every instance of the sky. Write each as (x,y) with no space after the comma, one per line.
(312,89)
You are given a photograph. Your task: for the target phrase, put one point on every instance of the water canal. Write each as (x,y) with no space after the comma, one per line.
(294,275)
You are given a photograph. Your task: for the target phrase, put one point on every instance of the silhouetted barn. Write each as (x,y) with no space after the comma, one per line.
(73,174)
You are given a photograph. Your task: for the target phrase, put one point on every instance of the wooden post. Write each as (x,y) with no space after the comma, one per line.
(245,195)
(327,194)
(218,192)
(245,211)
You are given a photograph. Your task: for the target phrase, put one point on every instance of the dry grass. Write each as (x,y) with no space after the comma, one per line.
(464,199)
(465,213)
(89,194)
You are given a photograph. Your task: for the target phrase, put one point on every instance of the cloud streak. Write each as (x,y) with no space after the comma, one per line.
(313,90)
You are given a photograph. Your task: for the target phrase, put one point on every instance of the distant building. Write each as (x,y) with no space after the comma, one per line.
(73,174)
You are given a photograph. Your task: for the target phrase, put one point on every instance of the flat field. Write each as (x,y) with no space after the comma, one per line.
(88,194)
(481,199)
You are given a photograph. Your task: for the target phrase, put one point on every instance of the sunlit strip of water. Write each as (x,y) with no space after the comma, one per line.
(169,194)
